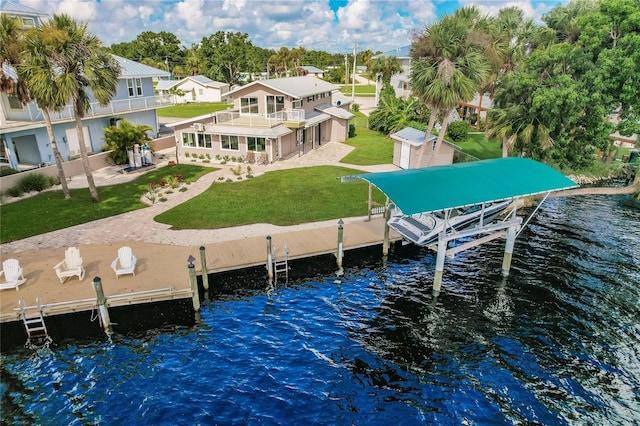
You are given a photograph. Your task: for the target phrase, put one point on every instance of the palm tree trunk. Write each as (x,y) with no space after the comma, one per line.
(56,154)
(425,142)
(443,130)
(85,159)
(479,113)
(505,147)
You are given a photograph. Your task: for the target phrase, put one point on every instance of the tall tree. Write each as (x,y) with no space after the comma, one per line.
(45,82)
(448,67)
(225,55)
(11,46)
(86,67)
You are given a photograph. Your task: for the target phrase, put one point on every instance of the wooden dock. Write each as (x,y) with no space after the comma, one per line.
(161,272)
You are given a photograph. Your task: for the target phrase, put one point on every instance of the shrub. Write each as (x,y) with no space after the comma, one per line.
(6,171)
(201,156)
(34,182)
(355,107)
(186,154)
(208,156)
(457,131)
(352,130)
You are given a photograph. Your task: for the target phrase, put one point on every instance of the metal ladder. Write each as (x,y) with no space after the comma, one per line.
(281,265)
(33,322)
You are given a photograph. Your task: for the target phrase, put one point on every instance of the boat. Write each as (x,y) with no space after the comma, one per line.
(423,229)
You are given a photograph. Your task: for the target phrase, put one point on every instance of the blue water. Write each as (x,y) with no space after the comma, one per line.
(557,342)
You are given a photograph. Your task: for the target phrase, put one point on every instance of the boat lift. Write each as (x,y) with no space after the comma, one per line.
(462,185)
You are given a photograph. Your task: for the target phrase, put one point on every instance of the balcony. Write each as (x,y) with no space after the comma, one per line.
(114,107)
(292,118)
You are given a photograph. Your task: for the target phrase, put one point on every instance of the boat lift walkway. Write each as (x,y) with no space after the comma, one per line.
(445,188)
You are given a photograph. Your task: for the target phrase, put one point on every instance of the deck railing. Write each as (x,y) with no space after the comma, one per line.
(114,107)
(235,118)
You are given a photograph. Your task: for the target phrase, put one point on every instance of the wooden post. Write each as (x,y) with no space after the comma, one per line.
(269,260)
(369,204)
(205,273)
(103,312)
(437,277)
(340,252)
(387,216)
(193,283)
(508,250)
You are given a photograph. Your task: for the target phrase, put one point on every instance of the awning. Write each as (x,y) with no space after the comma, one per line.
(438,188)
(263,132)
(314,118)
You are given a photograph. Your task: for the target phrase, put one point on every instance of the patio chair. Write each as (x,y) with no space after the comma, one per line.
(125,263)
(70,266)
(12,272)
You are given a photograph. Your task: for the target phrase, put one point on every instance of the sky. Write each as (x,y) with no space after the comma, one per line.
(330,25)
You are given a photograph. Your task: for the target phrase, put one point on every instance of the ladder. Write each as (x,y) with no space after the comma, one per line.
(281,265)
(33,321)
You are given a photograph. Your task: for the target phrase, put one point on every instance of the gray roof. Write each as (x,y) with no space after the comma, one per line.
(131,69)
(206,81)
(296,87)
(315,117)
(312,69)
(415,137)
(12,8)
(398,52)
(166,84)
(335,111)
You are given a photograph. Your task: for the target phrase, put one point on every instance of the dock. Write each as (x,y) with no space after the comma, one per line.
(162,270)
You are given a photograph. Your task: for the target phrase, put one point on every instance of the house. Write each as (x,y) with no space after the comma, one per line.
(406,149)
(400,82)
(313,71)
(197,88)
(270,120)
(24,143)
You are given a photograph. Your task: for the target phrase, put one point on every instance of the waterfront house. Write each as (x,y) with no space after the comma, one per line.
(24,143)
(270,120)
(197,88)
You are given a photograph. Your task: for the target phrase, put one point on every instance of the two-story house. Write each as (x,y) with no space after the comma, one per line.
(24,142)
(270,120)
(197,88)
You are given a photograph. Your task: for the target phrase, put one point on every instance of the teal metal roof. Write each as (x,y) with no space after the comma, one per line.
(437,188)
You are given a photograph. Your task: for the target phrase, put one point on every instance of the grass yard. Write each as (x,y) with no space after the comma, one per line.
(360,89)
(49,211)
(475,145)
(192,109)
(372,147)
(288,197)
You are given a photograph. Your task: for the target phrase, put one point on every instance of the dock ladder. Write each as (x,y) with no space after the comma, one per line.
(33,319)
(281,265)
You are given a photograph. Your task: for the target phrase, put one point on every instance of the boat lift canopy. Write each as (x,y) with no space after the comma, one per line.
(439,188)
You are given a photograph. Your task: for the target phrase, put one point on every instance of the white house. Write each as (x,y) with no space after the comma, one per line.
(197,88)
(400,82)
(24,142)
(313,71)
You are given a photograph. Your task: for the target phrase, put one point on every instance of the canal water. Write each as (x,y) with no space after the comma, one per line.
(557,342)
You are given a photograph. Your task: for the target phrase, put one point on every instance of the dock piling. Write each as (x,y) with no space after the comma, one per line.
(269,259)
(340,251)
(387,216)
(103,312)
(437,276)
(205,273)
(508,250)
(193,283)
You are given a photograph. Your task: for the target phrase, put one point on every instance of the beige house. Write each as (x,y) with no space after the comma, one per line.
(406,149)
(270,120)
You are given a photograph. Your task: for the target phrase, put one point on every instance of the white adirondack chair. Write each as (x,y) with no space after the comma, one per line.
(12,272)
(70,266)
(125,263)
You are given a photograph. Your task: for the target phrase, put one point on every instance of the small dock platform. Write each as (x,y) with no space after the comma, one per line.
(161,271)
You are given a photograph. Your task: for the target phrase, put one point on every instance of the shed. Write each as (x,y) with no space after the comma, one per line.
(406,149)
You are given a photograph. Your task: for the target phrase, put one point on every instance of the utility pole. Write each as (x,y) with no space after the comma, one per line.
(353,75)
(346,69)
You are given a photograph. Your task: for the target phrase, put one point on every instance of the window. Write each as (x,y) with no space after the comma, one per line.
(275,104)
(14,103)
(205,140)
(229,142)
(297,104)
(249,105)
(256,144)
(135,87)
(200,92)
(188,139)
(29,22)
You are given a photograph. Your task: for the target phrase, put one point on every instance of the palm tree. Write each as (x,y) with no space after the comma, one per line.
(448,67)
(85,66)
(11,46)
(384,67)
(43,80)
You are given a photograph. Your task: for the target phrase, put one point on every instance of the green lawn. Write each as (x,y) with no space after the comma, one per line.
(360,89)
(49,211)
(192,109)
(372,147)
(475,145)
(289,197)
